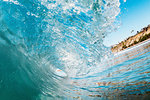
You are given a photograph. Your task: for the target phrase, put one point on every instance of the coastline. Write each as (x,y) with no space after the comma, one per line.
(133,47)
(139,38)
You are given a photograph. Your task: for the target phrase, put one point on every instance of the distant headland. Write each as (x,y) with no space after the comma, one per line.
(143,35)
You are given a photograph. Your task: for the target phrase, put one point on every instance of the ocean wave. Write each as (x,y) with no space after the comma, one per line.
(44,42)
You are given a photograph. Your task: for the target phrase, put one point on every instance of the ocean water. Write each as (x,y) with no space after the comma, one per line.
(53,50)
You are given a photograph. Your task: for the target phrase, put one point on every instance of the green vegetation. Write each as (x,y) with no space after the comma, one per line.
(144,37)
(124,46)
(135,42)
(132,40)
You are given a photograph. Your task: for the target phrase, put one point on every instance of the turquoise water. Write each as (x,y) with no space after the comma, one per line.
(125,76)
(53,50)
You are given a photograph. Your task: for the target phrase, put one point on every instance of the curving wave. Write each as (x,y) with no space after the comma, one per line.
(46,43)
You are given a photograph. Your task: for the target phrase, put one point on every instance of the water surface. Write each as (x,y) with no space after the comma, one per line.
(53,50)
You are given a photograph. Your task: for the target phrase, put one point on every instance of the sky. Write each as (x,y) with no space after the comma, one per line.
(134,15)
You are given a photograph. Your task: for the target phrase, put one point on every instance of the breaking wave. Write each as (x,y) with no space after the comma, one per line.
(44,44)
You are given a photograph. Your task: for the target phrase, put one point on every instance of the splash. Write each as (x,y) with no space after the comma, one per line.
(50,36)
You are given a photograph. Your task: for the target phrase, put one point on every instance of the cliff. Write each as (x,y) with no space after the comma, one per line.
(143,35)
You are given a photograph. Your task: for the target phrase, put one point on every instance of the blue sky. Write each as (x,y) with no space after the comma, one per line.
(134,15)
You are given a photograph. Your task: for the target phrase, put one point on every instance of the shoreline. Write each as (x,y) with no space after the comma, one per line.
(137,39)
(132,47)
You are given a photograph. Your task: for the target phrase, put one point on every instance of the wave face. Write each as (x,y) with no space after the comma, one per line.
(45,43)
